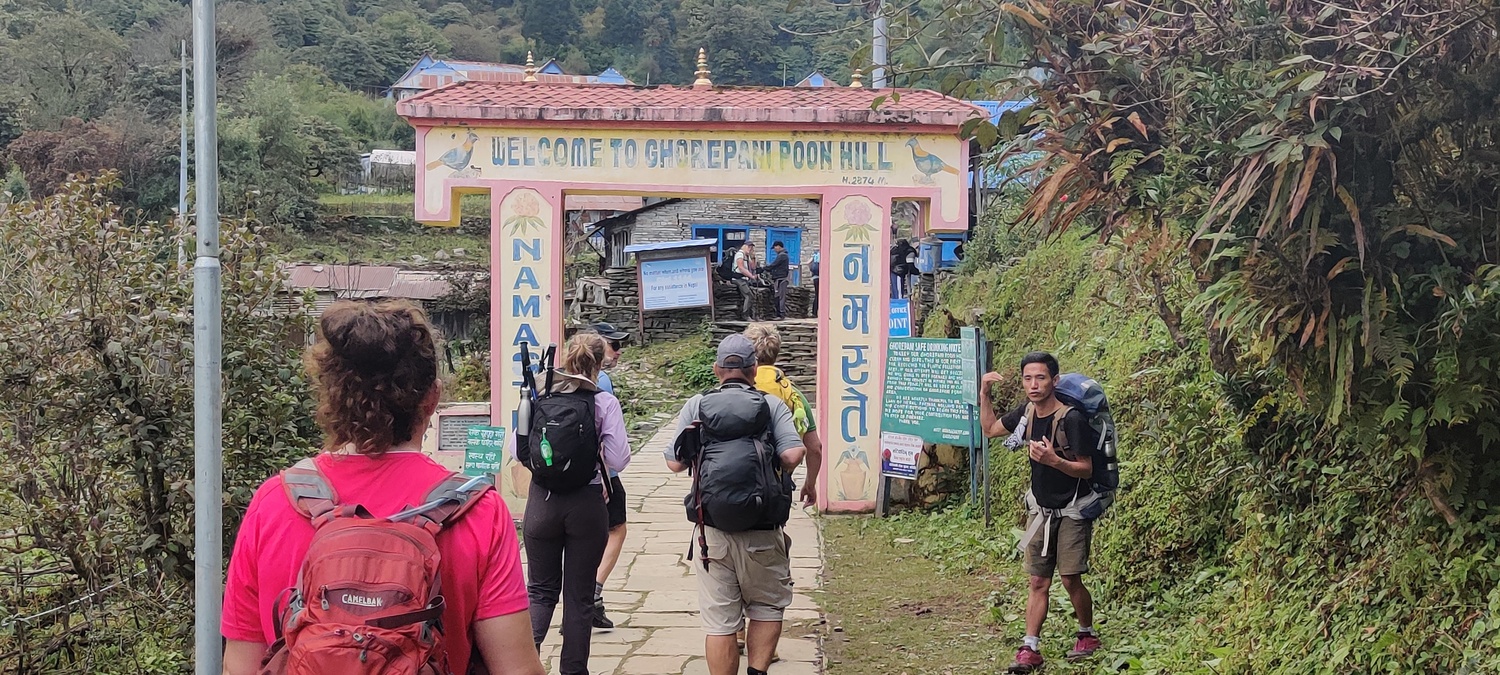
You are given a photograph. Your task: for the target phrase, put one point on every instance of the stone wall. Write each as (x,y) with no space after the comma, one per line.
(674,324)
(675,221)
(615,298)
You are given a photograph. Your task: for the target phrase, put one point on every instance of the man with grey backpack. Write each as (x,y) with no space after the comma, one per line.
(740,447)
(1066,427)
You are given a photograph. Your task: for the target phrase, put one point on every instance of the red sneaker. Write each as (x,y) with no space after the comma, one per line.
(1027,661)
(1087,644)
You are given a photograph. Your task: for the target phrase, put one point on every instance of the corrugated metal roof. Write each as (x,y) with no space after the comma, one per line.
(368,281)
(601,203)
(816,79)
(997,108)
(415,285)
(429,73)
(401,157)
(727,105)
(670,245)
(353,278)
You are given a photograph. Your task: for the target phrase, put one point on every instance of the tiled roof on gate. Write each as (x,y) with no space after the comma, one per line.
(477,101)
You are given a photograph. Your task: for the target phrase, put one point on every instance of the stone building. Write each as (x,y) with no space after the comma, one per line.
(793,222)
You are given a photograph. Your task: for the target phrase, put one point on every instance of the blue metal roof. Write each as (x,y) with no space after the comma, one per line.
(670,245)
(816,79)
(997,108)
(612,76)
(993,179)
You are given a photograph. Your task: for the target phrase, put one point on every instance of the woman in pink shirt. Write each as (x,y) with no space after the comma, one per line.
(566,530)
(375,369)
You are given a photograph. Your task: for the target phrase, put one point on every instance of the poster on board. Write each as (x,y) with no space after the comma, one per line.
(453,430)
(924,393)
(898,455)
(673,284)
(486,445)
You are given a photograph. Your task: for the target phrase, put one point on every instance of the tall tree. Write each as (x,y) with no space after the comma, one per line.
(551,23)
(66,67)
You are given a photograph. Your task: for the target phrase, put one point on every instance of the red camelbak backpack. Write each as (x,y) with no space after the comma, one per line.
(368,599)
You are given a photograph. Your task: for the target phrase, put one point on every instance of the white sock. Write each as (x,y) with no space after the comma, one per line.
(1087,629)
(1032,641)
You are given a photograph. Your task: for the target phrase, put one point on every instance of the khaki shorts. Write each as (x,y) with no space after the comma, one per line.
(1068,553)
(749,576)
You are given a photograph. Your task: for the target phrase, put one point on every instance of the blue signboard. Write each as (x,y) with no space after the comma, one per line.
(901,318)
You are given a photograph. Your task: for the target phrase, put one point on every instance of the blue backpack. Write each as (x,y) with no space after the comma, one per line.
(1081,392)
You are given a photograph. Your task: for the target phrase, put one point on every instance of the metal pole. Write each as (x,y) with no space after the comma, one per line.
(974,468)
(879,46)
(182,163)
(208,335)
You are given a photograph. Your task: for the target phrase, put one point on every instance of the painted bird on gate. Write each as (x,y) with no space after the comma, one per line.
(457,158)
(928,163)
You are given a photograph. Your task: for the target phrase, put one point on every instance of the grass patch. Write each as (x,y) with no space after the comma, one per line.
(891,610)
(376,243)
(361,199)
(937,593)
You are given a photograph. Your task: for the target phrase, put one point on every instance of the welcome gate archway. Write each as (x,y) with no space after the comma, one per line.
(529,144)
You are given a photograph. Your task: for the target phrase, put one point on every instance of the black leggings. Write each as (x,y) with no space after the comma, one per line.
(565,536)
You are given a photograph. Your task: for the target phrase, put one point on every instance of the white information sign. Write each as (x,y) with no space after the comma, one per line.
(671,284)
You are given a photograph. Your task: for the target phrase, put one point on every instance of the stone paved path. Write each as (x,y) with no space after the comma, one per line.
(652,595)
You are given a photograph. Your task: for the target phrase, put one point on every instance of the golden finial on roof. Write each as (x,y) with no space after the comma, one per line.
(530,69)
(703,71)
(856,81)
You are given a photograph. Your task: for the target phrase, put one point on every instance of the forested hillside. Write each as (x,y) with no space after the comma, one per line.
(94,85)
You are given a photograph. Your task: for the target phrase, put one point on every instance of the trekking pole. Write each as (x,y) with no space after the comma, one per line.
(466,488)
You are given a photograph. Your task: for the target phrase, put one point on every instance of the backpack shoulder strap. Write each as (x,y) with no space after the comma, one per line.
(1059,432)
(449,500)
(309,490)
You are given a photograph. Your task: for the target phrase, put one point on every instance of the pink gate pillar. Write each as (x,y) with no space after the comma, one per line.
(851,349)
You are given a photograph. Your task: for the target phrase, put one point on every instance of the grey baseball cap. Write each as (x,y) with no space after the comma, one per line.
(736,351)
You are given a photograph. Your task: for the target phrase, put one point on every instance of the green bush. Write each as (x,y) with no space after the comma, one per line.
(696,371)
(1248,535)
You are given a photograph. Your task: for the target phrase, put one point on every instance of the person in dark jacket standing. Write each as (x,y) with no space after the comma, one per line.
(817,264)
(903,256)
(779,270)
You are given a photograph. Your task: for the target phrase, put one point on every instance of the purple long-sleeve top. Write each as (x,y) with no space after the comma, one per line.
(609,417)
(614,443)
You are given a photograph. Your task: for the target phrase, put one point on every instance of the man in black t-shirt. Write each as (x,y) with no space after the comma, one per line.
(1059,538)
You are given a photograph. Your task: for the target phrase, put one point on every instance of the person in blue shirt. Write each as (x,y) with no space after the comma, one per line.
(614,341)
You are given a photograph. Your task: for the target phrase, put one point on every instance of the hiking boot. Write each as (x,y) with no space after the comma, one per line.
(1028,660)
(601,621)
(1087,644)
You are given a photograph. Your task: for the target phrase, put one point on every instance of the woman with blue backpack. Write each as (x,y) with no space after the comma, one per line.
(570,435)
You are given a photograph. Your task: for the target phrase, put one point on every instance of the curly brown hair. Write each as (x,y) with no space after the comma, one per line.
(373,366)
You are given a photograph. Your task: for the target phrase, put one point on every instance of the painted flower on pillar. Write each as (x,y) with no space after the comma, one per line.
(525,209)
(857,217)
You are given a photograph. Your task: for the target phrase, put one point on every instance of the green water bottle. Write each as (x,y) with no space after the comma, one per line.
(546,449)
